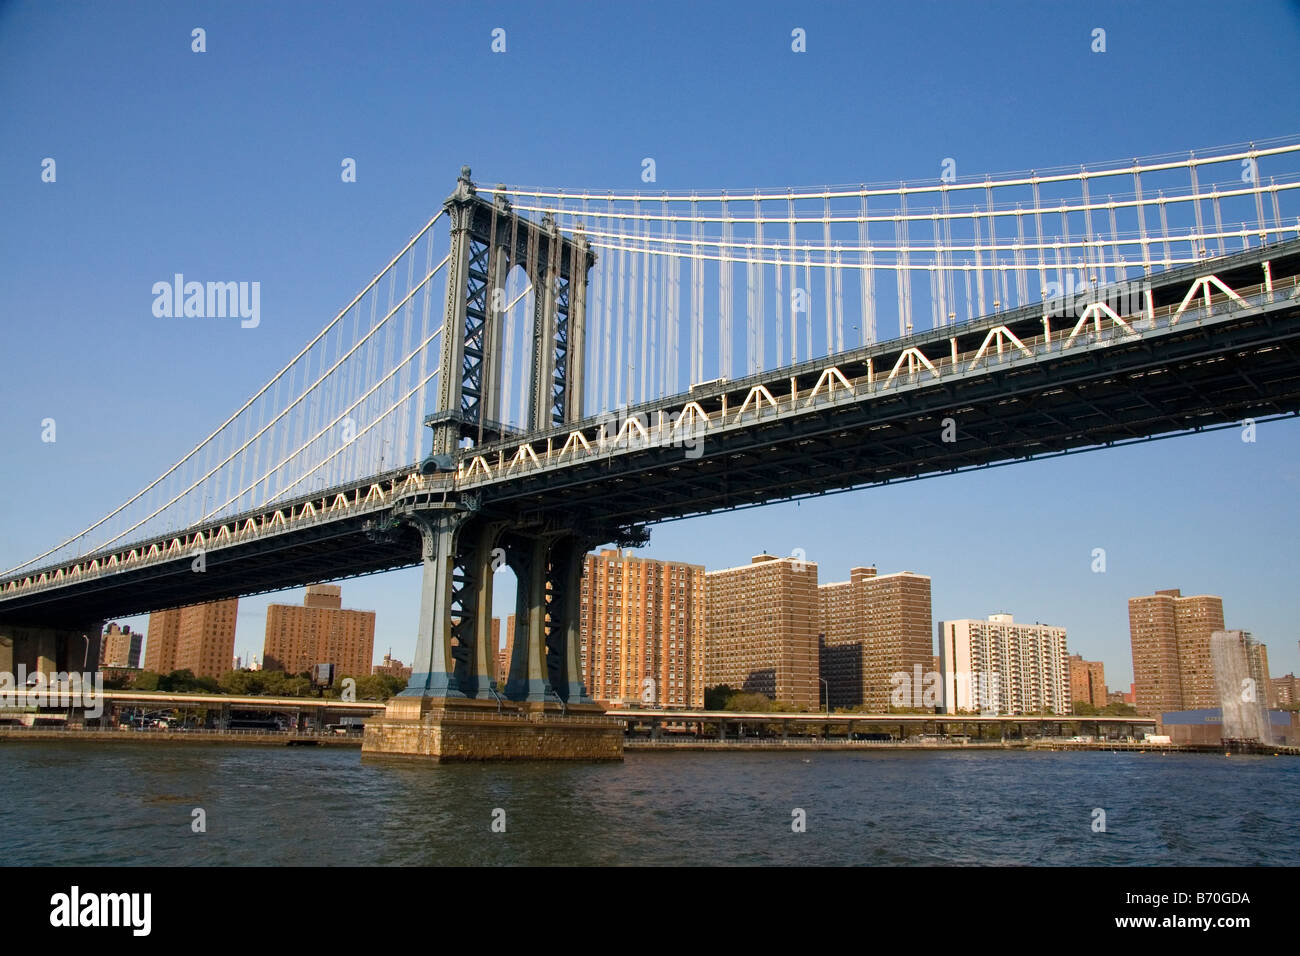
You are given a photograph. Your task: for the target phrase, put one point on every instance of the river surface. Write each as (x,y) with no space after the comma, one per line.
(82,803)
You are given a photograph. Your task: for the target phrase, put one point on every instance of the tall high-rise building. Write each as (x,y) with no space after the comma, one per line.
(1087,682)
(160,640)
(642,630)
(120,647)
(761,631)
(1001,667)
(1170,636)
(199,638)
(319,631)
(871,628)
(1285,691)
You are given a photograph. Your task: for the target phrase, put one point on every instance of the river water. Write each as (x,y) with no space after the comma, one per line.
(75,803)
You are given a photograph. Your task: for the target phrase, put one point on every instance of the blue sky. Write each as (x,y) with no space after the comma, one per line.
(227,163)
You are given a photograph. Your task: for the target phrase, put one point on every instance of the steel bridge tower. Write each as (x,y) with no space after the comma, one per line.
(487,240)
(463,545)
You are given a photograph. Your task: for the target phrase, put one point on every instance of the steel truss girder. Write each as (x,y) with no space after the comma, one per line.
(642,494)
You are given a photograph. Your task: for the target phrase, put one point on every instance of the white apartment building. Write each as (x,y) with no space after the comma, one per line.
(1000,667)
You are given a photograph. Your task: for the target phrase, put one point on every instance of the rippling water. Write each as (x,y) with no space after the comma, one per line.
(86,804)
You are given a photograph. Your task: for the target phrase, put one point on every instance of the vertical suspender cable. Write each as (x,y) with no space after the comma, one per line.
(966,275)
(1200,251)
(749,309)
(760,319)
(647,357)
(620,319)
(839,302)
(1257,188)
(994,255)
(610,295)
(826,274)
(938,294)
(864,274)
(724,295)
(697,297)
(1121,270)
(807,299)
(1164,226)
(1090,256)
(794,282)
(1277,210)
(1041,252)
(1142,218)
(634,257)
(1022,280)
(654,356)
(779,291)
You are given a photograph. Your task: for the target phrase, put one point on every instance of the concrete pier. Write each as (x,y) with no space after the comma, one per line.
(444,730)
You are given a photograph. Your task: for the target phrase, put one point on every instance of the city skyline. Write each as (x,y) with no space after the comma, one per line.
(1120,664)
(1152,537)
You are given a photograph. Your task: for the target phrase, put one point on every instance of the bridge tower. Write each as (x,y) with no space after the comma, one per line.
(488,239)
(451,709)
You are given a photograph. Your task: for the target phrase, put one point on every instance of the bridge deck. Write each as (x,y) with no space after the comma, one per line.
(869,416)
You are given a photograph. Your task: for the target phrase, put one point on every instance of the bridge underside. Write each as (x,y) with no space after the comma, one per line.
(1196,375)
(347,548)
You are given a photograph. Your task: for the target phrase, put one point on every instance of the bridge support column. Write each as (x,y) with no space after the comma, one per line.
(448,712)
(470,609)
(432,671)
(568,561)
(527,673)
(485,648)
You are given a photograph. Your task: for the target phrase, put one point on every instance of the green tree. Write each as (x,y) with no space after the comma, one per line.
(715,698)
(243,683)
(755,703)
(177,681)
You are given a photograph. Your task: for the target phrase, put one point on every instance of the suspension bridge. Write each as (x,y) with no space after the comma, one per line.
(602,362)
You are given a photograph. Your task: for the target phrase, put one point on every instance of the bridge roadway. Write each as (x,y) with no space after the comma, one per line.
(1012,386)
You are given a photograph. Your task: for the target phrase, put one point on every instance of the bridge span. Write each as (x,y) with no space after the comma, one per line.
(1194,343)
(1211,346)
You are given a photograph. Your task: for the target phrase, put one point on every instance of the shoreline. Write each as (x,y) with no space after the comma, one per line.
(282,739)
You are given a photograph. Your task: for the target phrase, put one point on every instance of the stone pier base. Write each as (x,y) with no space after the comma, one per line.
(447,729)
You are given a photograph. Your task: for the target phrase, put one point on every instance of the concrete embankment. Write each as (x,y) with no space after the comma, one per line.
(242,737)
(787,745)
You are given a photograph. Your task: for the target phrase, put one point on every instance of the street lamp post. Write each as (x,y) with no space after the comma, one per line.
(828,695)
